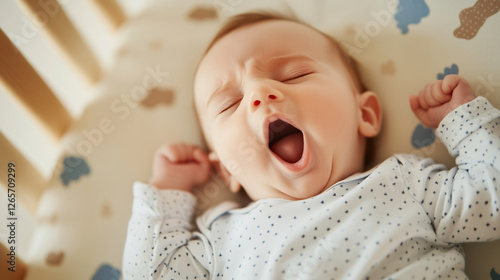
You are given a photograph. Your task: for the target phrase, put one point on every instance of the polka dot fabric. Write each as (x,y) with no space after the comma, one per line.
(401,220)
(159,212)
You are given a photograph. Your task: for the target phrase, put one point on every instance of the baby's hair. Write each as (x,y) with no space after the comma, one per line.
(248,18)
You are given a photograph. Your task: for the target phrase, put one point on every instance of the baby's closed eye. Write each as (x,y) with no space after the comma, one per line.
(296,75)
(229,104)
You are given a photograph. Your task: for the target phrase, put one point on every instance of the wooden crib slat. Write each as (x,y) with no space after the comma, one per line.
(29,183)
(112,12)
(25,85)
(57,25)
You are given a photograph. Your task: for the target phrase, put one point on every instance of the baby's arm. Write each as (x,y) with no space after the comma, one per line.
(440,98)
(463,201)
(160,239)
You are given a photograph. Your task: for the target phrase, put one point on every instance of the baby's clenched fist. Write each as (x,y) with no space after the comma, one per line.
(440,98)
(180,166)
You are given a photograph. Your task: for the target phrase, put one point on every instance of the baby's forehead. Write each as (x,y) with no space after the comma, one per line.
(272,38)
(265,41)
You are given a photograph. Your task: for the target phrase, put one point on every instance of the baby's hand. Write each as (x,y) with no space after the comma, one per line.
(439,98)
(180,166)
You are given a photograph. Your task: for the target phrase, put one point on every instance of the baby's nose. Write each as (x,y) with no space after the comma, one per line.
(263,93)
(257,102)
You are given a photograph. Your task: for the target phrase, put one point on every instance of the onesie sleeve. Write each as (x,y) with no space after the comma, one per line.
(463,202)
(160,239)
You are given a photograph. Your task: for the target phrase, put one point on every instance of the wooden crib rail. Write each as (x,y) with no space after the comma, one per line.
(63,33)
(23,83)
(29,183)
(112,12)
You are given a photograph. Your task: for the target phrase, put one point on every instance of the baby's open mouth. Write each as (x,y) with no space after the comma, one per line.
(286,141)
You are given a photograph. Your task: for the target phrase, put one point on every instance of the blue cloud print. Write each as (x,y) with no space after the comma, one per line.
(106,272)
(447,71)
(422,136)
(410,11)
(494,275)
(74,168)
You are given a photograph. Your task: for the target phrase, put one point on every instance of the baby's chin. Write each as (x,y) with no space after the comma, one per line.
(298,189)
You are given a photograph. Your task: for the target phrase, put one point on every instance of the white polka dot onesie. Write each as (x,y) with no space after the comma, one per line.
(401,220)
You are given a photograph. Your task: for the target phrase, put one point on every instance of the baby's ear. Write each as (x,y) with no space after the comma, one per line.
(233,185)
(370,120)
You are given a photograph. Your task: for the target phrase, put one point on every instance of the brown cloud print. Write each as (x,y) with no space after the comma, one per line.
(388,68)
(473,18)
(106,210)
(157,96)
(54,258)
(203,13)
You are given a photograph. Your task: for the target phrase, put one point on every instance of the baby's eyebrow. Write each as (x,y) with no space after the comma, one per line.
(287,58)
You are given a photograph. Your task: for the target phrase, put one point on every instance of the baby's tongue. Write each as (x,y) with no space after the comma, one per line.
(289,148)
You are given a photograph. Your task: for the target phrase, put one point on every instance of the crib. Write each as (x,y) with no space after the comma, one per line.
(139,96)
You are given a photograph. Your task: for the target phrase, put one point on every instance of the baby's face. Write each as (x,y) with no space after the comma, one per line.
(280,110)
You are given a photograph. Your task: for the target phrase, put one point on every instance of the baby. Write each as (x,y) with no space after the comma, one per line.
(287,119)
